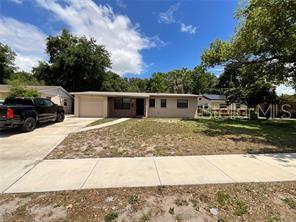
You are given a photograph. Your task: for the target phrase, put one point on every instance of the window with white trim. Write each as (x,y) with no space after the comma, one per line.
(182,103)
(163,103)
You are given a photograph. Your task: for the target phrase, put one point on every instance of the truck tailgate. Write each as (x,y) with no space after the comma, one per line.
(3,110)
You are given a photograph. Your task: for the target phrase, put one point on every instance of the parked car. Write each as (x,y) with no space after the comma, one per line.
(27,112)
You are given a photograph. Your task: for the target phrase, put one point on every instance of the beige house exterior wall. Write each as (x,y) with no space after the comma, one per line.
(171,110)
(146,107)
(56,95)
(202,101)
(60,98)
(97,106)
(91,106)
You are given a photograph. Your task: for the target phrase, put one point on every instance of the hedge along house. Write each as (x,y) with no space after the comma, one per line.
(129,104)
(56,94)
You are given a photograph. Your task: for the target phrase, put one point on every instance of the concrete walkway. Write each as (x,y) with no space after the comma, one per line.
(104,124)
(19,152)
(74,174)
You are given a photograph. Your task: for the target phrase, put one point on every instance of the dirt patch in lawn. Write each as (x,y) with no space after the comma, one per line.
(228,202)
(169,137)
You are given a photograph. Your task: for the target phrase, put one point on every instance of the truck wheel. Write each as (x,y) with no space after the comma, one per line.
(60,117)
(29,124)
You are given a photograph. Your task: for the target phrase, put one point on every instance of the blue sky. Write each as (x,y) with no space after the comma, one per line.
(143,36)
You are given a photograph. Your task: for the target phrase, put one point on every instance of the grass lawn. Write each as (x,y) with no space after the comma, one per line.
(160,137)
(232,202)
(101,121)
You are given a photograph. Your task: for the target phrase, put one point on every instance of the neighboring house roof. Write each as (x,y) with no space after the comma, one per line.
(214,97)
(5,88)
(132,94)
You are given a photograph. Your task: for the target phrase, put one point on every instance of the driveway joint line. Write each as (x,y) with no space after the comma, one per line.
(91,171)
(55,146)
(214,165)
(61,140)
(155,165)
(37,162)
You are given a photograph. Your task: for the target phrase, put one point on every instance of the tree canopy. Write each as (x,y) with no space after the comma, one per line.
(264,44)
(159,83)
(18,88)
(7,67)
(203,81)
(261,54)
(79,64)
(25,77)
(76,63)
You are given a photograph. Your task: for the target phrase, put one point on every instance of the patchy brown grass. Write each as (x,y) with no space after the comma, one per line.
(162,137)
(241,202)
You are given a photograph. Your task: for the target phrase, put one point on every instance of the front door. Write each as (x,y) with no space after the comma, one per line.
(140,107)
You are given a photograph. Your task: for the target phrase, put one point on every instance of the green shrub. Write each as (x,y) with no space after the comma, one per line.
(18,88)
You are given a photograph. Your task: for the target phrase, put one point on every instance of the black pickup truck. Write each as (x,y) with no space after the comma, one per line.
(26,112)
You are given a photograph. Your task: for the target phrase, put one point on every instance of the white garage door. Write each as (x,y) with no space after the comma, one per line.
(91,106)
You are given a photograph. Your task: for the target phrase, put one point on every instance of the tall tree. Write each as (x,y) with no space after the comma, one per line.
(18,88)
(76,63)
(25,77)
(137,85)
(264,44)
(251,90)
(203,81)
(113,82)
(180,81)
(158,83)
(261,54)
(7,57)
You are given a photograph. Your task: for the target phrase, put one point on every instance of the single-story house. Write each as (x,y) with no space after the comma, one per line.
(131,104)
(217,103)
(57,94)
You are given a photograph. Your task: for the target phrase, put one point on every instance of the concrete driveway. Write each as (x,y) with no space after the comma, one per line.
(19,152)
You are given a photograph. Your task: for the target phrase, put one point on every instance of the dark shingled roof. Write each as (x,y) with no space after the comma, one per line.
(215,97)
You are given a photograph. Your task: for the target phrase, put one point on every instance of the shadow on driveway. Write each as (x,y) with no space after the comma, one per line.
(13,131)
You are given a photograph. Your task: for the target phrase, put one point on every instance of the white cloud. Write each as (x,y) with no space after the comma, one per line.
(27,62)
(283,89)
(17,1)
(121,38)
(168,16)
(25,39)
(121,4)
(155,41)
(188,28)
